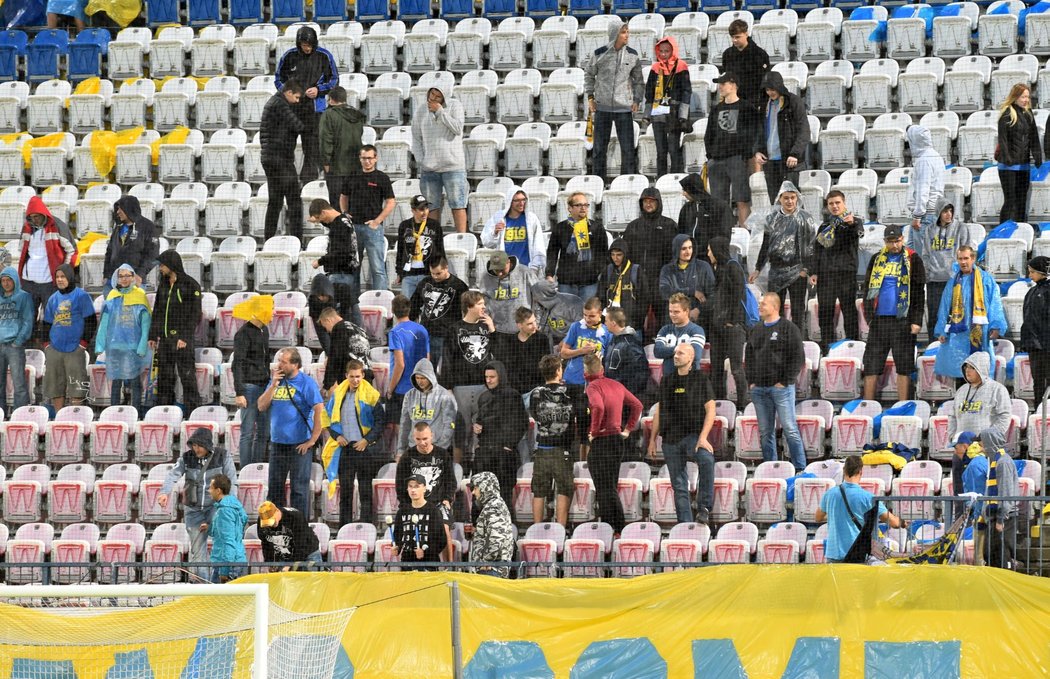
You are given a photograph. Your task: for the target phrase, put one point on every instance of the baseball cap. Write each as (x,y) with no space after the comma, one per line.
(418,478)
(267,514)
(964,438)
(727,77)
(497,262)
(418,202)
(893,232)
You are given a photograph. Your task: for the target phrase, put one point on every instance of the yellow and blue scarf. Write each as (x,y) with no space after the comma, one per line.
(366,399)
(978,315)
(880,269)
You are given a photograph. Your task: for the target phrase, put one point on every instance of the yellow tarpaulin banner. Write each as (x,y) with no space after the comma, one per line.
(121,11)
(176,136)
(104,145)
(824,621)
(48,141)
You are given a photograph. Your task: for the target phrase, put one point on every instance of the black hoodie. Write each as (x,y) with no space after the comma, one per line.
(316,69)
(501,414)
(563,255)
(177,307)
(749,65)
(792,121)
(631,282)
(726,302)
(649,238)
(703,216)
(138,247)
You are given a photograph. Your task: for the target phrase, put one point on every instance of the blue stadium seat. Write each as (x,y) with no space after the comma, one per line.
(716,6)
(17,39)
(453,10)
(803,5)
(586,8)
(758,7)
(329,11)
(541,9)
(159,12)
(43,54)
(407,10)
(203,12)
(8,63)
(628,8)
(287,11)
(86,52)
(93,36)
(500,9)
(670,8)
(848,5)
(246,12)
(59,37)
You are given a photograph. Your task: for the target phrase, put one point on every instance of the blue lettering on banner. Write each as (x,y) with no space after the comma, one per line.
(620,659)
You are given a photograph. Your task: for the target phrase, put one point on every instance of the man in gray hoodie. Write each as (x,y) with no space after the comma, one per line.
(506,285)
(981,403)
(437,144)
(615,89)
(555,311)
(936,241)
(428,402)
(926,187)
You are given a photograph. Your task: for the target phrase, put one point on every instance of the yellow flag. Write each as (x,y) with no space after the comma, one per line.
(176,136)
(104,145)
(48,141)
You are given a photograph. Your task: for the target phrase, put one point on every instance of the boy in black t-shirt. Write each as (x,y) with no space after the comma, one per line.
(419,532)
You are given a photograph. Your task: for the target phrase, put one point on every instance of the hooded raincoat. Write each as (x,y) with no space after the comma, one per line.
(316,69)
(926,188)
(134,244)
(791,120)
(493,529)
(339,135)
(703,216)
(668,86)
(958,347)
(123,330)
(649,237)
(177,307)
(58,242)
(624,285)
(787,242)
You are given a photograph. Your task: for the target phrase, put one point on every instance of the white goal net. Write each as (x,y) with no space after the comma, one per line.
(163,632)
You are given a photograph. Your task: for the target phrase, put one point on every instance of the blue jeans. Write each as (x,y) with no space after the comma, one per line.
(677,454)
(348,291)
(198,538)
(584,292)
(15,358)
(772,403)
(373,242)
(409,284)
(255,428)
(453,183)
(285,460)
(437,345)
(603,124)
(134,387)
(229,572)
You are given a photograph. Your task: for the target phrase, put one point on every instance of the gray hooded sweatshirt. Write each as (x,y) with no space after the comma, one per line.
(437,138)
(927,179)
(613,77)
(936,244)
(435,407)
(983,407)
(1006,481)
(504,295)
(555,311)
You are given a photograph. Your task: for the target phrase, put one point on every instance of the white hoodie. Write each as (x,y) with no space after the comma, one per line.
(927,180)
(437,138)
(533,231)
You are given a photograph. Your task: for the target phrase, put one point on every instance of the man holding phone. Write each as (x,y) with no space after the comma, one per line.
(295,428)
(834,271)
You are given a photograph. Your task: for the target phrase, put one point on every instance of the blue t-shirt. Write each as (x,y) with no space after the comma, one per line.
(287,425)
(413,341)
(66,314)
(516,238)
(888,293)
(579,336)
(841,529)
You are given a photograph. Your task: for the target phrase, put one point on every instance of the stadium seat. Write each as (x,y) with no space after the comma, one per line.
(543,542)
(20,435)
(638,542)
(685,544)
(31,544)
(784,543)
(68,493)
(765,494)
(64,436)
(590,543)
(735,542)
(115,491)
(354,543)
(78,544)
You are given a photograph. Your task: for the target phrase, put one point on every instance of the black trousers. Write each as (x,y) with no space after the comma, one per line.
(502,463)
(364,466)
(668,137)
(841,286)
(728,342)
(934,291)
(1040,361)
(335,187)
(798,292)
(284,188)
(311,120)
(172,361)
(776,172)
(1001,546)
(1015,185)
(604,462)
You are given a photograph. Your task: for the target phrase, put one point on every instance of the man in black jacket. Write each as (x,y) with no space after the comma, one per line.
(251,373)
(747,60)
(576,250)
(346,341)
(649,238)
(622,285)
(287,537)
(342,261)
(279,127)
(176,313)
(314,68)
(780,149)
(703,216)
(435,303)
(1035,330)
(834,271)
(729,141)
(894,303)
(727,331)
(133,241)
(501,421)
(773,359)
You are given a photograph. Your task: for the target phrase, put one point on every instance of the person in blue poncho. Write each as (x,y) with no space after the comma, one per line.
(123,334)
(970,315)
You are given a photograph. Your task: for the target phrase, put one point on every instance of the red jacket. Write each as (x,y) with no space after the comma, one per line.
(59,248)
(606,397)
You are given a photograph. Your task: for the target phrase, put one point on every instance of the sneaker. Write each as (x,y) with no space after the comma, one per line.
(703,516)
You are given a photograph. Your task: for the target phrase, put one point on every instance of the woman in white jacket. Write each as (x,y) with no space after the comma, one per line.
(517,232)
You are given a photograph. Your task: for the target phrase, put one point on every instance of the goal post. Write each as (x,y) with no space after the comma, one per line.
(229,631)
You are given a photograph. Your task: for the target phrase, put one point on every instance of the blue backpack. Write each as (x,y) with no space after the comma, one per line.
(749,302)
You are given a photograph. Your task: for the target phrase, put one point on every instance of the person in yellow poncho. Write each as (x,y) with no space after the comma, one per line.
(123,334)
